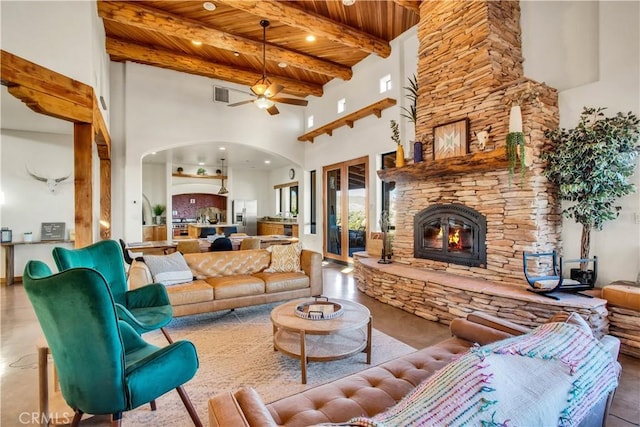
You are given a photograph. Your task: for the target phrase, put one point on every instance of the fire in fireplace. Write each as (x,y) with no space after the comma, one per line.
(451,233)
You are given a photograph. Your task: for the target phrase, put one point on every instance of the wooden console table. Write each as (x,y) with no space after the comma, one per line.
(9,255)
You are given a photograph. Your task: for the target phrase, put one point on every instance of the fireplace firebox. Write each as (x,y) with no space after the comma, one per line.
(451,233)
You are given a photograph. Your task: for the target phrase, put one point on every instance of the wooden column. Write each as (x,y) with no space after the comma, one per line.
(105,199)
(82,140)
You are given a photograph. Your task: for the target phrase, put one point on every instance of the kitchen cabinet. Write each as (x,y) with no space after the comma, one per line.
(154,232)
(266,228)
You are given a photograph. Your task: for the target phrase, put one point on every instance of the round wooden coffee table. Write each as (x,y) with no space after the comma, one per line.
(321,340)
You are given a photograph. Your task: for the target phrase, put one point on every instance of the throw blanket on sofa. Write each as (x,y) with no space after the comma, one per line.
(551,376)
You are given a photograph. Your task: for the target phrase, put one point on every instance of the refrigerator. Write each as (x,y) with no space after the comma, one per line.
(245,216)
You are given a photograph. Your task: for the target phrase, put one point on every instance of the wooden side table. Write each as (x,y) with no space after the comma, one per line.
(52,406)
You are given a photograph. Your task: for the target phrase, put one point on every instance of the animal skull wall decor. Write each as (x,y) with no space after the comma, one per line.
(483,137)
(52,183)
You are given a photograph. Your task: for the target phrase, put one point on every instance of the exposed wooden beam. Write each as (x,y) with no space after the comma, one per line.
(83,183)
(131,13)
(48,92)
(294,16)
(18,71)
(412,5)
(102,138)
(189,64)
(50,105)
(105,199)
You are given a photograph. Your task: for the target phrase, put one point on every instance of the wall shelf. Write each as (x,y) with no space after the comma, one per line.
(189,175)
(477,162)
(349,119)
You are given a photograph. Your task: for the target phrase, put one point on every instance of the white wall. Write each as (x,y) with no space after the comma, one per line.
(370,136)
(167,109)
(612,41)
(28,202)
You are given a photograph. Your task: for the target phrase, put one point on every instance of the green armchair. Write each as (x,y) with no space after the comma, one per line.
(145,309)
(103,365)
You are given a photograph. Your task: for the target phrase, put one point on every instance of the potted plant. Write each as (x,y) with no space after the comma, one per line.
(158,210)
(591,165)
(411,113)
(201,171)
(515,143)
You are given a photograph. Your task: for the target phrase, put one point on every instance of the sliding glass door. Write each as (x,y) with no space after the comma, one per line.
(345,208)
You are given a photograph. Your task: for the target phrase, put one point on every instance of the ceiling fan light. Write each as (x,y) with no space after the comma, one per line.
(263,103)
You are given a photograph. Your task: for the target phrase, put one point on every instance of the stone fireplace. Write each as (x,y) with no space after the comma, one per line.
(476,76)
(470,68)
(451,233)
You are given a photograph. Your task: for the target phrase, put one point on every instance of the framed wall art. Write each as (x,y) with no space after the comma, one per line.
(451,139)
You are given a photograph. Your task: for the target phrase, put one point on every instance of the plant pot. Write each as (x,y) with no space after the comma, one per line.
(585,277)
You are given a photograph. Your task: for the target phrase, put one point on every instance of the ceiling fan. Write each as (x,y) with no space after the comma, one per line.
(264,90)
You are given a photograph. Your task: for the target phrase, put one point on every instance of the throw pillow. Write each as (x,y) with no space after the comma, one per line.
(169,269)
(285,258)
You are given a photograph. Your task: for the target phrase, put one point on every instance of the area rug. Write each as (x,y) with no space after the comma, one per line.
(235,349)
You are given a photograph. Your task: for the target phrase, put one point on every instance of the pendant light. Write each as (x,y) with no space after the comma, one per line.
(223,189)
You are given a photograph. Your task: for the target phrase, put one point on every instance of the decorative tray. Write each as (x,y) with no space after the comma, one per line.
(320,309)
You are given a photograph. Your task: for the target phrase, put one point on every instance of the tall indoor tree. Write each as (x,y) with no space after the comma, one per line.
(591,164)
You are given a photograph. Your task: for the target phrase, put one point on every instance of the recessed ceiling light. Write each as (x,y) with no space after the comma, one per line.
(311,38)
(267,162)
(236,53)
(196,42)
(222,148)
(209,6)
(348,2)
(282,64)
(200,163)
(153,153)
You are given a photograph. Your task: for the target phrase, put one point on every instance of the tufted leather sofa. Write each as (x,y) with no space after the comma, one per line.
(232,279)
(373,390)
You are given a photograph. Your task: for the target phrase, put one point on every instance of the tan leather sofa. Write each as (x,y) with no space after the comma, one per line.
(376,389)
(232,279)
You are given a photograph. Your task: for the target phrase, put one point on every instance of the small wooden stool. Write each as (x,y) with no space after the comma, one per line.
(52,406)
(623,303)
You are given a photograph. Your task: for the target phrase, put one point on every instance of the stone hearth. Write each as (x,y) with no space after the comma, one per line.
(442,297)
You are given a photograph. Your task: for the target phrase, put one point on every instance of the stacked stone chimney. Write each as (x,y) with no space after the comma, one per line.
(470,66)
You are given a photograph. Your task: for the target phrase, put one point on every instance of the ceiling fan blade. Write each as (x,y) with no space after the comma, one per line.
(292,101)
(273,110)
(241,103)
(273,90)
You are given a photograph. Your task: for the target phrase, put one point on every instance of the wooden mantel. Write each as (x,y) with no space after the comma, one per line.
(375,109)
(477,162)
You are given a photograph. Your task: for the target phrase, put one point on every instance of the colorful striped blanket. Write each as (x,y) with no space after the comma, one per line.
(551,376)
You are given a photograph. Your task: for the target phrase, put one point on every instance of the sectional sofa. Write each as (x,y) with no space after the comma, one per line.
(380,390)
(231,279)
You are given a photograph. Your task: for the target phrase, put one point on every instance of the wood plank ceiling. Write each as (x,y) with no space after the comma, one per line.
(160,33)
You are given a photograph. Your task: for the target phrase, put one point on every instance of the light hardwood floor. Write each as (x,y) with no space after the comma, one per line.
(20,332)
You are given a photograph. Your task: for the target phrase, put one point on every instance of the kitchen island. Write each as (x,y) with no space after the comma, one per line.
(200,230)
(283,227)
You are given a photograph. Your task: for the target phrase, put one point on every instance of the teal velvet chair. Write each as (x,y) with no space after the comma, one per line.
(145,309)
(103,365)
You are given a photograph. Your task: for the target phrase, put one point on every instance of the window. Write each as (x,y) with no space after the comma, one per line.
(312,199)
(388,161)
(342,103)
(385,83)
(309,122)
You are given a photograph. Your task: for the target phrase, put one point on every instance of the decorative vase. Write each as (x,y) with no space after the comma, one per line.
(417,152)
(399,156)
